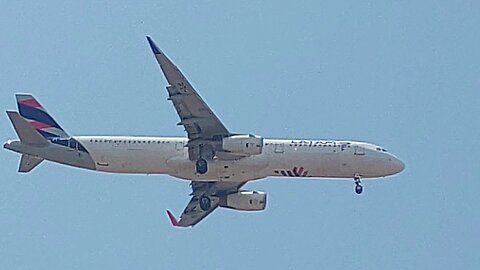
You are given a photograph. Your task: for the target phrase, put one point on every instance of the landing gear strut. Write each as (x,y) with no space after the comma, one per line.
(358,184)
(201,166)
(205,203)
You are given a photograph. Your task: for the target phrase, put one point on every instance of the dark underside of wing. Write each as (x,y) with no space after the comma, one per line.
(194,213)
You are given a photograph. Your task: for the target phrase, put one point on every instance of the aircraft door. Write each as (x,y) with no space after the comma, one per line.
(359,150)
(179,146)
(279,148)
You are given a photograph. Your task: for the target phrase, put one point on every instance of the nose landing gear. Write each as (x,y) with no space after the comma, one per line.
(358,188)
(358,184)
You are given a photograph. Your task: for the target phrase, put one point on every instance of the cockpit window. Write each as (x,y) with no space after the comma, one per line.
(384,150)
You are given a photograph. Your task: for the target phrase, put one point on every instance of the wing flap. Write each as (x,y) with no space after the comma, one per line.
(193,213)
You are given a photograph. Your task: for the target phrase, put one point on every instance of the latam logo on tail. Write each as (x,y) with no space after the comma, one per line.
(38,117)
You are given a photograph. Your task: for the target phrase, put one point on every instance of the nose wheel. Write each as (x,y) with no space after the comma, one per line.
(358,184)
(358,188)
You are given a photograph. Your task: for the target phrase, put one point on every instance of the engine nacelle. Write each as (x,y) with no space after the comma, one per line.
(247,145)
(245,200)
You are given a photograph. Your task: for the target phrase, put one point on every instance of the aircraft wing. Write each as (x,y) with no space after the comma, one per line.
(193,213)
(198,119)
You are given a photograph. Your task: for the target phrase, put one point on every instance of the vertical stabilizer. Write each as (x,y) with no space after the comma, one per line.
(30,109)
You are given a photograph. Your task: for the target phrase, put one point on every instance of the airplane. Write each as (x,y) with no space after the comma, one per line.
(217,162)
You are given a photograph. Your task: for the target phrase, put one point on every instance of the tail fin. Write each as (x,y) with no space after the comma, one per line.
(38,117)
(27,163)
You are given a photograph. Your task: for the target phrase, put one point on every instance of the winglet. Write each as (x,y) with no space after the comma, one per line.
(154,47)
(172,218)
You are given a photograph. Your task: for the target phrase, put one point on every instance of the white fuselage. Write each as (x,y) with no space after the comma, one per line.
(280,157)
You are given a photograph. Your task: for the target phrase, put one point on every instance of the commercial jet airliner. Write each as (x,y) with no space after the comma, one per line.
(217,162)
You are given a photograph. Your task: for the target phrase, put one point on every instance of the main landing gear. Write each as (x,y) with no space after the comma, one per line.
(201,166)
(205,203)
(358,184)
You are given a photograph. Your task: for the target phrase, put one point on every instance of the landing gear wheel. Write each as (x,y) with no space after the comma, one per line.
(205,203)
(358,189)
(358,183)
(201,166)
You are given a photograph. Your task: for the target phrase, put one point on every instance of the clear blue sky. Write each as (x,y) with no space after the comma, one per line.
(402,74)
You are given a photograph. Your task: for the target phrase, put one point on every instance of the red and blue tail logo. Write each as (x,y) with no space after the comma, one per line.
(30,109)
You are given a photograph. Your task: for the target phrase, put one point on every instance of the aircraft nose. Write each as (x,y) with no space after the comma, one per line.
(397,165)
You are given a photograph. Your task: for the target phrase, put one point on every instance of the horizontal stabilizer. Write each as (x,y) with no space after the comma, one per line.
(27,163)
(26,133)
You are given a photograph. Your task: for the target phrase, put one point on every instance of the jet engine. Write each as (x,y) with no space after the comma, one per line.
(245,200)
(246,145)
